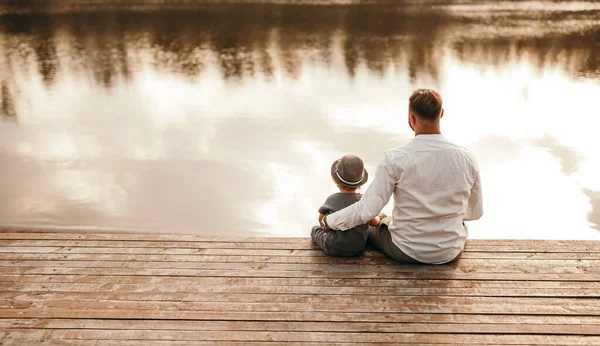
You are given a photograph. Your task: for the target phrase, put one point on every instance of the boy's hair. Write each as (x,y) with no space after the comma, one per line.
(426,104)
(347,189)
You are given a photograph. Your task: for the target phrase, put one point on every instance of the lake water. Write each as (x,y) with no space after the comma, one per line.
(225,119)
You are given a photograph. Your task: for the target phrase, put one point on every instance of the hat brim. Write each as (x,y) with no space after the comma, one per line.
(337,180)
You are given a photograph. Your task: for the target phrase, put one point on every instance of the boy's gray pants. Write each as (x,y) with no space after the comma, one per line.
(325,240)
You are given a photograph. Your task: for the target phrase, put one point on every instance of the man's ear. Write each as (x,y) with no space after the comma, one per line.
(442,113)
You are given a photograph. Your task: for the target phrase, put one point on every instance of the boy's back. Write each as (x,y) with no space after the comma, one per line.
(342,243)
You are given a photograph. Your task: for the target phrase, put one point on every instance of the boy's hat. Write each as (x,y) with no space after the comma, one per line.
(349,171)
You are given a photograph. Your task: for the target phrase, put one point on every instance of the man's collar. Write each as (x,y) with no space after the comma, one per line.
(429,136)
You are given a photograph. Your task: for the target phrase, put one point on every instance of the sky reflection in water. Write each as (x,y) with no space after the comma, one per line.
(225,120)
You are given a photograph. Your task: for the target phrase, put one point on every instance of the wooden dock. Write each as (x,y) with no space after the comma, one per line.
(149,289)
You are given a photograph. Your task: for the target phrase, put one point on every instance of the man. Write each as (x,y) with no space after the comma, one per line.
(436,188)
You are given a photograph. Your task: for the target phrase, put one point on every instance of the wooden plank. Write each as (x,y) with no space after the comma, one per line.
(168,251)
(190,258)
(29,298)
(472,267)
(295,326)
(53,254)
(456,268)
(532,247)
(87,334)
(380,291)
(465,256)
(289,270)
(173,256)
(50,342)
(120,248)
(307,316)
(472,245)
(217,246)
(197,286)
(320,303)
(100,256)
(311,263)
(26,339)
(152,278)
(547,242)
(8,233)
(259,249)
(136,292)
(22,338)
(8,340)
(169,276)
(529,255)
(505,326)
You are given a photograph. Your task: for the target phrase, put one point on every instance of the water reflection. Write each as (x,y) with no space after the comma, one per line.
(7,107)
(594,214)
(570,159)
(226,118)
(250,40)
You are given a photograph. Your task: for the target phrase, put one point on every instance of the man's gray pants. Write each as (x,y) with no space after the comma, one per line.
(380,237)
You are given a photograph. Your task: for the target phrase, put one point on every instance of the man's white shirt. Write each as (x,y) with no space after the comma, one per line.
(436,186)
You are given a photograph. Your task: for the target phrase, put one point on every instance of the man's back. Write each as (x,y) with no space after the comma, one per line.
(437,187)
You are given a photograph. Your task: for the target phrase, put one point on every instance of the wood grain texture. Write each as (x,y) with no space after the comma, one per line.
(73,288)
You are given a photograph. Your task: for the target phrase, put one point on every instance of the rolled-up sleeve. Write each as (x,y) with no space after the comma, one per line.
(374,199)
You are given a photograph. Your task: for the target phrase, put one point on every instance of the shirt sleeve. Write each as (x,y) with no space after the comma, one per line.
(371,203)
(475,203)
(326,207)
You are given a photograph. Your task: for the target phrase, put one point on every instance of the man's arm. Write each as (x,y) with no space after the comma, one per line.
(475,203)
(369,206)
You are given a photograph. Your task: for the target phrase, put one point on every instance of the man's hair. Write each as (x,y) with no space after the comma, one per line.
(426,104)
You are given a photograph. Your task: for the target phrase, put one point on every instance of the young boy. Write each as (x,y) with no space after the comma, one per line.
(349,174)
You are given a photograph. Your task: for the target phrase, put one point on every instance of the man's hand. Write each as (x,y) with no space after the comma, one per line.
(377,219)
(374,221)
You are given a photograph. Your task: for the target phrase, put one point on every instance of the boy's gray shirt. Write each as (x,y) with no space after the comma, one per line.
(353,239)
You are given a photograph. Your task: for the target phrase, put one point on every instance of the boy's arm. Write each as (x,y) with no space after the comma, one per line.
(324,210)
(321,216)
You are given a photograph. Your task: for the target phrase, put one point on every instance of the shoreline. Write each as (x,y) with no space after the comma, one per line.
(67,6)
(79,5)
